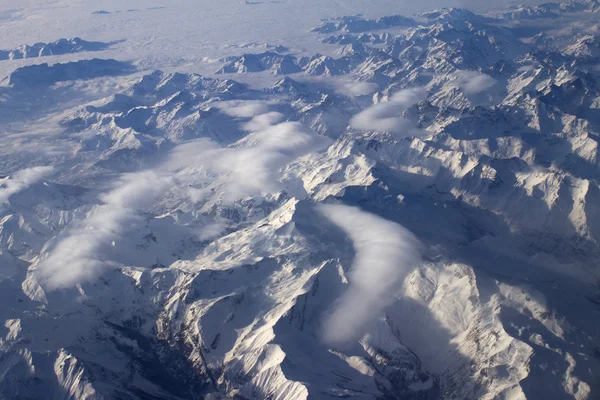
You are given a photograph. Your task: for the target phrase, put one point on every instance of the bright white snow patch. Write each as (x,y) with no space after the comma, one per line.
(386,253)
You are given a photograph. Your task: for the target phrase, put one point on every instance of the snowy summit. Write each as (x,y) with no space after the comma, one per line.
(299,200)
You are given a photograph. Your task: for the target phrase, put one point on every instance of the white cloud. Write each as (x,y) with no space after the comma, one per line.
(249,168)
(242,108)
(263,121)
(84,252)
(357,88)
(341,85)
(407,97)
(473,82)
(526,68)
(385,254)
(253,166)
(21,180)
(190,153)
(211,231)
(262,118)
(385,117)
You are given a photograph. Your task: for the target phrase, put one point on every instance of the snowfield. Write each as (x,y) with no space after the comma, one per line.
(299,200)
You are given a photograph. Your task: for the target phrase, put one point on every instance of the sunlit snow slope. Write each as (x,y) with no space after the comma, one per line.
(271,200)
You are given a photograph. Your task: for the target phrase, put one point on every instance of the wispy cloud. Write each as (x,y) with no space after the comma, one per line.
(21,180)
(263,121)
(85,251)
(253,166)
(357,88)
(474,82)
(259,112)
(250,167)
(243,108)
(385,117)
(385,254)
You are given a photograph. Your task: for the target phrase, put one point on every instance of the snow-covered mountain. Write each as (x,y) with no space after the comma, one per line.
(413,213)
(58,47)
